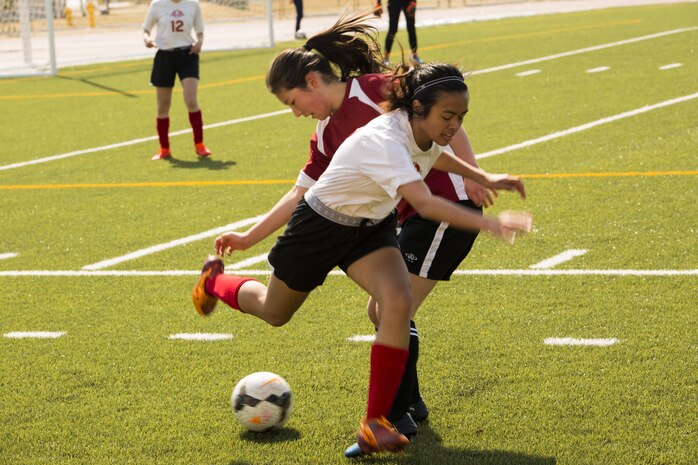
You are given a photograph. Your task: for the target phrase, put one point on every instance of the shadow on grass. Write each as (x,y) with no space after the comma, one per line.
(201,163)
(97,85)
(428,450)
(282,435)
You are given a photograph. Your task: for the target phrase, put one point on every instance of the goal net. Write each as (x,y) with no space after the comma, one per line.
(38,36)
(26,38)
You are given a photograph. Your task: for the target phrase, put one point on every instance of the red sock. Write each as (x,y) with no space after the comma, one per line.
(387,367)
(197,125)
(163,125)
(226,287)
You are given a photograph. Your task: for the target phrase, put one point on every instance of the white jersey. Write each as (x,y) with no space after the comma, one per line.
(174,21)
(368,168)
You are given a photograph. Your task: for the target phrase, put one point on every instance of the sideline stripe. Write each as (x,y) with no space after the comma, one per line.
(360,338)
(3,256)
(169,245)
(569,341)
(138,141)
(670,66)
(585,50)
(200,336)
(482,71)
(250,261)
(584,127)
(598,70)
(565,256)
(530,72)
(35,334)
(529,272)
(258,182)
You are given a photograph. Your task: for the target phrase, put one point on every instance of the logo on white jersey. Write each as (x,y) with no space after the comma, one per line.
(177,13)
(418,168)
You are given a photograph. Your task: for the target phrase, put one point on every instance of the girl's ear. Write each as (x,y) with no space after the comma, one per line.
(417,107)
(310,81)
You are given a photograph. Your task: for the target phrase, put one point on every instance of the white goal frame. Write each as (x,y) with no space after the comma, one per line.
(23,51)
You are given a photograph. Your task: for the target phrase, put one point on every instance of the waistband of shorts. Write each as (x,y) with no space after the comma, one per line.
(336,217)
(177,49)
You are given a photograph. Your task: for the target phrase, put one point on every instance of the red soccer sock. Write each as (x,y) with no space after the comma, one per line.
(226,287)
(197,125)
(387,368)
(163,125)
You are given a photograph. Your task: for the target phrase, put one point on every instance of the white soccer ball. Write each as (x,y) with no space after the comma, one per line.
(262,401)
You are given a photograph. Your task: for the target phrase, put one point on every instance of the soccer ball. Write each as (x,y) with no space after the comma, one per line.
(262,401)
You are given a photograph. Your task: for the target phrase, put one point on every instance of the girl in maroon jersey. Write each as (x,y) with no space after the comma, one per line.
(303,79)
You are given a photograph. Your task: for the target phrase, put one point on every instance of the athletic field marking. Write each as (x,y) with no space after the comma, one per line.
(138,141)
(35,334)
(598,70)
(585,50)
(201,336)
(265,115)
(359,338)
(245,263)
(503,272)
(565,256)
(258,182)
(528,73)
(169,245)
(3,256)
(671,66)
(584,127)
(569,341)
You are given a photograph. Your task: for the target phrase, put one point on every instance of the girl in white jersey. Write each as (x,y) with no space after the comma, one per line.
(385,161)
(178,54)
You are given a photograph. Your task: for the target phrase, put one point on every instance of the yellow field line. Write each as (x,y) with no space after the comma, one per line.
(282,181)
(532,34)
(259,77)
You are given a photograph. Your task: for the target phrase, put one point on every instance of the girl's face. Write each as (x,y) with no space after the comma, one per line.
(309,101)
(444,119)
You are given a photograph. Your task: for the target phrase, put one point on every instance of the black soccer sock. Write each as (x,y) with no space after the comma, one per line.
(404,395)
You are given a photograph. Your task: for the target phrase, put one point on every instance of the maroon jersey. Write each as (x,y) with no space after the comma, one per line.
(447,185)
(361,104)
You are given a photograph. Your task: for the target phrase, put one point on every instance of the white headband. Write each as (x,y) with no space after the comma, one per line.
(437,81)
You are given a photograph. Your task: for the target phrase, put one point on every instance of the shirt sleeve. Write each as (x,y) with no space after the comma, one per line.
(150,19)
(198,19)
(389,164)
(317,161)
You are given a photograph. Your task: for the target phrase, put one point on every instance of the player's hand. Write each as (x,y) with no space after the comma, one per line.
(508,223)
(196,48)
(505,182)
(149,43)
(226,243)
(479,195)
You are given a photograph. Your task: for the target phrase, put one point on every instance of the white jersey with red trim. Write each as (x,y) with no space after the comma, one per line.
(371,165)
(174,20)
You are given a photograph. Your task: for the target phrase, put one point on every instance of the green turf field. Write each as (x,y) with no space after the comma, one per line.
(104,245)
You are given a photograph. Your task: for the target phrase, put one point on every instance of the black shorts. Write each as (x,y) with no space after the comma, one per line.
(435,250)
(311,246)
(170,63)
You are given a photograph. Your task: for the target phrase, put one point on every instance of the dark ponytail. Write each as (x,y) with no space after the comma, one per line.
(423,82)
(348,48)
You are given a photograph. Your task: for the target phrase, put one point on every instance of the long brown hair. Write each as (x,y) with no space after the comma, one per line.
(348,48)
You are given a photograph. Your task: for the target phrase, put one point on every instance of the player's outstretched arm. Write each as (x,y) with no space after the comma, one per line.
(275,218)
(435,208)
(449,163)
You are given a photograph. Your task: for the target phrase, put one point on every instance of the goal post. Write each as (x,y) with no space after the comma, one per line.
(27,46)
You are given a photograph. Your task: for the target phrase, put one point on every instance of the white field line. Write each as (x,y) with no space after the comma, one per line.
(585,50)
(265,115)
(598,70)
(3,256)
(569,341)
(35,334)
(360,338)
(169,245)
(201,336)
(584,127)
(97,273)
(671,66)
(530,72)
(245,263)
(563,257)
(138,141)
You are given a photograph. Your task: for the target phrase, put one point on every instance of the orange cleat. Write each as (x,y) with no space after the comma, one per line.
(204,303)
(163,154)
(202,150)
(377,10)
(379,435)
